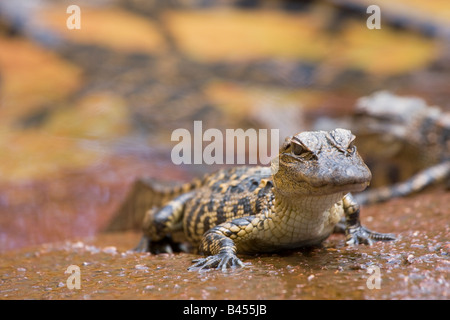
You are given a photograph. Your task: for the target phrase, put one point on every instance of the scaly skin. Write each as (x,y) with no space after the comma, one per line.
(249,209)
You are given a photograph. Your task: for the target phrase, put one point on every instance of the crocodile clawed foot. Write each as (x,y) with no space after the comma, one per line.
(221,261)
(362,235)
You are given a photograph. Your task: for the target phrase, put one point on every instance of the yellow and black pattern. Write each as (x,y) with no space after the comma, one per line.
(203,204)
(229,194)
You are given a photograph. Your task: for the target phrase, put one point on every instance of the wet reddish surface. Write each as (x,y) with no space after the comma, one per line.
(78,203)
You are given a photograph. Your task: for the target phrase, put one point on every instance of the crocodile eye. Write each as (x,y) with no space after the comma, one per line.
(297,149)
(351,148)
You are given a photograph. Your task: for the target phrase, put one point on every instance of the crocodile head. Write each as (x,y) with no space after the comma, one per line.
(320,163)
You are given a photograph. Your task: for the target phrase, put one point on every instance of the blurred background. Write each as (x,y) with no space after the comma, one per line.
(85,112)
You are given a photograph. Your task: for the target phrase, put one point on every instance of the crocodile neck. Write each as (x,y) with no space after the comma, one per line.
(306,205)
(304,219)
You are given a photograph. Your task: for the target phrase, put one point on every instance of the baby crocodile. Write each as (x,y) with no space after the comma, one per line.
(258,209)
(405,124)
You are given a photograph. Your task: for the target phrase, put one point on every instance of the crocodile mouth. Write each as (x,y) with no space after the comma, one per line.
(355,187)
(331,189)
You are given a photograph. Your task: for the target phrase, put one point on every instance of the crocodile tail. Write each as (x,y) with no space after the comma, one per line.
(432,175)
(146,194)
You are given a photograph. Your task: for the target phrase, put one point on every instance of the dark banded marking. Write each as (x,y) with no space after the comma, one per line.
(425,178)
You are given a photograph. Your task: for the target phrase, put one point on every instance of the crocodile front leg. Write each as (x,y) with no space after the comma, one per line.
(219,246)
(354,231)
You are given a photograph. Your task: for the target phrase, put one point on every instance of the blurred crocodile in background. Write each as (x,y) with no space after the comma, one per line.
(405,142)
(406,127)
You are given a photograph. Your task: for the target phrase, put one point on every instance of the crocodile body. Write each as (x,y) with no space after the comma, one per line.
(252,209)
